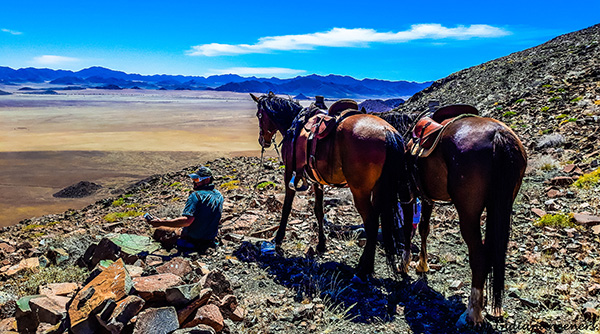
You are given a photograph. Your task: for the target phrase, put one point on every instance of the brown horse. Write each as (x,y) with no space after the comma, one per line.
(478,164)
(364,152)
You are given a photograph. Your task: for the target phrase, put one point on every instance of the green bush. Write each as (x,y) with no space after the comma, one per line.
(53,274)
(544,109)
(555,98)
(588,180)
(558,220)
(118,202)
(509,114)
(114,216)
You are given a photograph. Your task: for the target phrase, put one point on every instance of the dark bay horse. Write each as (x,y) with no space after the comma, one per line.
(478,164)
(364,152)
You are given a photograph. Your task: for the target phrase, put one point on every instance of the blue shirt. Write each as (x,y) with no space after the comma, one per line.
(205,205)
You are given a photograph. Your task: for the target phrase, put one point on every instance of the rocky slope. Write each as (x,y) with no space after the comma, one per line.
(549,94)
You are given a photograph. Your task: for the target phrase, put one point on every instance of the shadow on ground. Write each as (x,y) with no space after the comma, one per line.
(380,300)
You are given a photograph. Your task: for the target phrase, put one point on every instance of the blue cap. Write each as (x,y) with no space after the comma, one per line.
(202,174)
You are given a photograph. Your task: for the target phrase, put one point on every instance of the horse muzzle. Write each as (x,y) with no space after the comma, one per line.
(262,142)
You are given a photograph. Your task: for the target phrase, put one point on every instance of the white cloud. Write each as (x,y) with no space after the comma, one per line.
(53,60)
(342,37)
(12,32)
(243,71)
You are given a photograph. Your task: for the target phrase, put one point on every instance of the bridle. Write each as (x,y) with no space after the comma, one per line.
(262,132)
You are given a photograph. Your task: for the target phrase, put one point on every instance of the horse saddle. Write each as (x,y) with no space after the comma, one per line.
(428,130)
(317,128)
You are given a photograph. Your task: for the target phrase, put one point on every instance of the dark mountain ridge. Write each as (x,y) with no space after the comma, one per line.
(333,86)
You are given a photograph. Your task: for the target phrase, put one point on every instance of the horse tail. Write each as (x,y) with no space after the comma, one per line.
(508,164)
(392,186)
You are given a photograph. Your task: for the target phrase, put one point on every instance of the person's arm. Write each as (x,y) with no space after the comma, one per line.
(182,221)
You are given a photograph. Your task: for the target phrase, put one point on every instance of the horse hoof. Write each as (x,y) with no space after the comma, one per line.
(422,268)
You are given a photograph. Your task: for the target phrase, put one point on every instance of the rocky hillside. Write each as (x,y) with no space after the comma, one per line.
(53,269)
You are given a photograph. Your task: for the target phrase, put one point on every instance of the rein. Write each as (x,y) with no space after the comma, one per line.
(258,174)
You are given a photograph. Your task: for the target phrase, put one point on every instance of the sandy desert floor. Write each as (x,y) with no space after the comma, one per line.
(48,142)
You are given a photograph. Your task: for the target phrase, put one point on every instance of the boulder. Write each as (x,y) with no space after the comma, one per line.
(183,294)
(27,320)
(58,289)
(49,309)
(208,315)
(156,321)
(113,284)
(32,263)
(121,313)
(153,288)
(178,266)
(216,281)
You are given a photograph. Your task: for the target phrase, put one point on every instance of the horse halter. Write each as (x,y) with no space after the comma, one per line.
(264,132)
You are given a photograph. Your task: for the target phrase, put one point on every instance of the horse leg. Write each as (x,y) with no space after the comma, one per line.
(285,213)
(424,229)
(407,228)
(471,232)
(318,209)
(362,201)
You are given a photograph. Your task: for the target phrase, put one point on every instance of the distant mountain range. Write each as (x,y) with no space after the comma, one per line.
(331,86)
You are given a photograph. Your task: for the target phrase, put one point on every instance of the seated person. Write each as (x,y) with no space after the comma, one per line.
(199,222)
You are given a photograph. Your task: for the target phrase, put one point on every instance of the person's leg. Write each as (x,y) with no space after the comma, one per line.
(167,236)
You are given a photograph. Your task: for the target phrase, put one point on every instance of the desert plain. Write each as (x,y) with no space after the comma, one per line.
(112,138)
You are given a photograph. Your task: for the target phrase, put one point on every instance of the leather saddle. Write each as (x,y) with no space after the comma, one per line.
(318,127)
(428,130)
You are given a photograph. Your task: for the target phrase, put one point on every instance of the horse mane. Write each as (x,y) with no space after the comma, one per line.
(403,122)
(281,110)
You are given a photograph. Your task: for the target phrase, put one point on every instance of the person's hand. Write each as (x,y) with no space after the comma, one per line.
(155,222)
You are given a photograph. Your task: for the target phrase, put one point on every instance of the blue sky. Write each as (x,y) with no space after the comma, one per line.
(391,40)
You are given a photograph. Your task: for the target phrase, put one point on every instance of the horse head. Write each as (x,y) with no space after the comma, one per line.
(267,128)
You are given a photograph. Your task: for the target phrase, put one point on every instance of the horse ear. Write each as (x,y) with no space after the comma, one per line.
(363,110)
(254,98)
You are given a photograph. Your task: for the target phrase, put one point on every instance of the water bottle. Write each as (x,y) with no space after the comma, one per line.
(267,248)
(416,213)
(148,217)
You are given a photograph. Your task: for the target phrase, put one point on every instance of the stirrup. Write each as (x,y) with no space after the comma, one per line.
(293,186)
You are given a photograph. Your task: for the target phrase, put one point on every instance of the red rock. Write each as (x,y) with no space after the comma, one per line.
(588,220)
(569,168)
(183,314)
(49,309)
(177,266)
(229,303)
(238,315)
(538,212)
(152,260)
(134,271)
(8,249)
(153,288)
(217,282)
(122,313)
(156,321)
(208,315)
(561,181)
(552,193)
(113,283)
(58,289)
(31,263)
